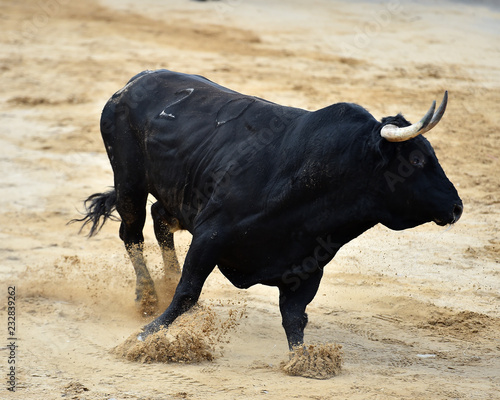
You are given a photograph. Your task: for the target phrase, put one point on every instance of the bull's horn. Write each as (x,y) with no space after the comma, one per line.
(394,133)
(439,113)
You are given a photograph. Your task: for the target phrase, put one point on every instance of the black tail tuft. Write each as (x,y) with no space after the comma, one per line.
(96,206)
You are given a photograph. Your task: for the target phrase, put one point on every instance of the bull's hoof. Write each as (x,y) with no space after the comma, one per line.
(147,303)
(141,337)
(321,361)
(298,350)
(149,329)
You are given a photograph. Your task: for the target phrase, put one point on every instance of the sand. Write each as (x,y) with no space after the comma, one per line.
(416,313)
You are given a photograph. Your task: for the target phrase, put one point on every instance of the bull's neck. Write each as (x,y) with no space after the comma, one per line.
(334,179)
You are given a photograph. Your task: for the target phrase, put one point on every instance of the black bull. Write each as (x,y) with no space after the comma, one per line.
(269,193)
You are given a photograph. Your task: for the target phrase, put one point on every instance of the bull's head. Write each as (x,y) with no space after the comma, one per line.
(419,190)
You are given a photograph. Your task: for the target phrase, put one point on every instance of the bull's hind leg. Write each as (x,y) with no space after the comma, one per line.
(165,226)
(131,196)
(131,205)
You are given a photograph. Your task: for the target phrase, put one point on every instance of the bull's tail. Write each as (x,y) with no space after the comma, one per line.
(98,206)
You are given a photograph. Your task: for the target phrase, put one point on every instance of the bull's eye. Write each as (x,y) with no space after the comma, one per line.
(417,161)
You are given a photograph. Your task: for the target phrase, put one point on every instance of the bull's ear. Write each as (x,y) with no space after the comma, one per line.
(397,120)
(382,150)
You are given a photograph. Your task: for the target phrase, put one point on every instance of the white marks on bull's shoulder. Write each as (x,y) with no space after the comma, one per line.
(233,109)
(168,116)
(184,93)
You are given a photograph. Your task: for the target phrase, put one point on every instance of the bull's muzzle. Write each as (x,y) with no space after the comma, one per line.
(452,217)
(457,212)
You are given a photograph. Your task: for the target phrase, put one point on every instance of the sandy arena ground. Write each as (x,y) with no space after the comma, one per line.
(417,312)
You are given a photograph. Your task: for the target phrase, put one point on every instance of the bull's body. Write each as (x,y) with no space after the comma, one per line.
(269,193)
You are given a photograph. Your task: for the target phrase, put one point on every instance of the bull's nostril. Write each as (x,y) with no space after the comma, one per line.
(457,212)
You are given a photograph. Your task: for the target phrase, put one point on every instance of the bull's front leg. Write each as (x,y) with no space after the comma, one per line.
(294,299)
(164,226)
(200,262)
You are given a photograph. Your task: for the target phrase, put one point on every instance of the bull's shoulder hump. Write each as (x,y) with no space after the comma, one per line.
(342,109)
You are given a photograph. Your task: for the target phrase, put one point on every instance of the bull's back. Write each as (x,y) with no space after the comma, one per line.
(193,132)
